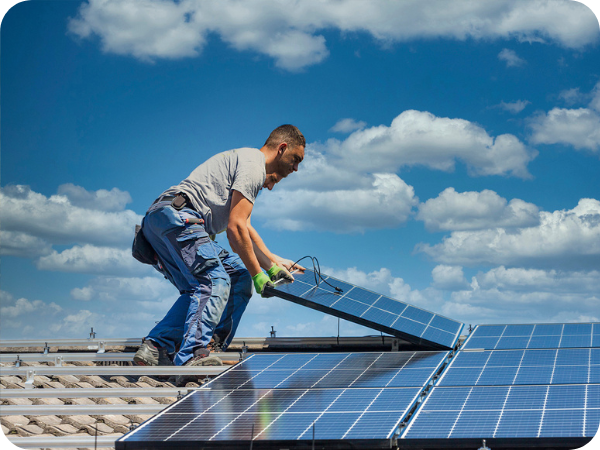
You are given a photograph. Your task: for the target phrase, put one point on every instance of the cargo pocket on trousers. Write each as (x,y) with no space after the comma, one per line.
(198,253)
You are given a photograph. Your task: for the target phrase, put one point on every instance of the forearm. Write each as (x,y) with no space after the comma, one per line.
(242,244)
(265,258)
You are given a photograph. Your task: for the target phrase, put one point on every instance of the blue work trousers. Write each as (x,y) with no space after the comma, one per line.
(215,286)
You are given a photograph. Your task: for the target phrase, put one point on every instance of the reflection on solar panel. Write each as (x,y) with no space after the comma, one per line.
(356,398)
(372,310)
(549,335)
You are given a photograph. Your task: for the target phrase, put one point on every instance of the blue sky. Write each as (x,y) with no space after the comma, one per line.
(452,160)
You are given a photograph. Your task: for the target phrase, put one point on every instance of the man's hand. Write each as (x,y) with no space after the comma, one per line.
(289,265)
(260,281)
(277,273)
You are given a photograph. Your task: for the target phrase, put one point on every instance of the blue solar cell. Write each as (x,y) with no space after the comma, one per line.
(418,315)
(566,397)
(333,425)
(379,316)
(508,358)
(526,397)
(389,304)
(593,396)
(582,329)
(453,399)
(576,341)
(570,374)
(440,336)
(285,426)
(596,340)
(374,425)
(541,357)
(595,356)
(432,425)
(548,329)
(350,306)
(481,342)
(445,324)
(460,376)
(573,356)
(408,326)
(519,424)
(395,399)
(563,423)
(512,342)
(518,330)
(489,330)
(475,424)
(544,342)
(410,377)
(534,375)
(594,374)
(497,376)
(363,296)
(596,329)
(592,422)
(491,398)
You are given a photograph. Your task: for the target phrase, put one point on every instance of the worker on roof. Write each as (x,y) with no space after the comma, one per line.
(215,285)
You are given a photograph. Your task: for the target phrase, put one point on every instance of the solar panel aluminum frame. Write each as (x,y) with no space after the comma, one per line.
(423,343)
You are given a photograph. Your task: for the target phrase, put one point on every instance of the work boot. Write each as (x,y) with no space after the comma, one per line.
(150,354)
(202,358)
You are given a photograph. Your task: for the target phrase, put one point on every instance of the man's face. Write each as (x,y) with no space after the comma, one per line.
(290,160)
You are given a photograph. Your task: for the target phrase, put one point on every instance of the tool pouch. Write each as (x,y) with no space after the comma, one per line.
(141,248)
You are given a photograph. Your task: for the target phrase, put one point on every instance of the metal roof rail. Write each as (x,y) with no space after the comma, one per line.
(59,358)
(75,410)
(73,441)
(93,392)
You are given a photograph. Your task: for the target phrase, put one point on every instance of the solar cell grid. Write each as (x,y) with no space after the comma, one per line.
(371,309)
(507,367)
(280,397)
(568,335)
(509,411)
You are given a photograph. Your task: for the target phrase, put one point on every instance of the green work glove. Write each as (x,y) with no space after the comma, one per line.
(260,281)
(276,273)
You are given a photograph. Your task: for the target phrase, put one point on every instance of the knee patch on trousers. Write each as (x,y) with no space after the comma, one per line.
(199,254)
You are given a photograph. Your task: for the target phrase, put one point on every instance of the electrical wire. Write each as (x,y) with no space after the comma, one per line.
(317,273)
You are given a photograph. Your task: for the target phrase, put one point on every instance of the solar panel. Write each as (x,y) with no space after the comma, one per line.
(524,396)
(372,310)
(531,366)
(568,335)
(341,397)
(570,413)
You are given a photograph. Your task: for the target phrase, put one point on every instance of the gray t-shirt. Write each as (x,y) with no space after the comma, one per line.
(211,185)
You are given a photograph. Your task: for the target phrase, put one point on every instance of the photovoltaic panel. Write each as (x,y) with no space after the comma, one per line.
(542,392)
(568,335)
(547,413)
(525,367)
(372,310)
(357,398)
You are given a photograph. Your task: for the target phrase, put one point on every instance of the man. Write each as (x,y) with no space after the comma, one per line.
(215,286)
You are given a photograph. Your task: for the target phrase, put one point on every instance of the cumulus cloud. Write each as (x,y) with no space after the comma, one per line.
(150,289)
(420,138)
(449,278)
(453,211)
(57,220)
(151,29)
(347,126)
(577,127)
(514,107)
(93,260)
(563,239)
(11,308)
(511,58)
(102,200)
(14,243)
(389,201)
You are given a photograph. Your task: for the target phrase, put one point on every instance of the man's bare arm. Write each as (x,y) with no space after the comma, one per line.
(239,234)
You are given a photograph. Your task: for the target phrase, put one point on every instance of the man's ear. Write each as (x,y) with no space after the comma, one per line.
(282,147)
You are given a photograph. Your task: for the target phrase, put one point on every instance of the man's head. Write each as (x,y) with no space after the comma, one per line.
(284,150)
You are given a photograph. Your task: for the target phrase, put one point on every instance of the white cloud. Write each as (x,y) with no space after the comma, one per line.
(577,127)
(14,243)
(288,31)
(93,260)
(511,58)
(389,201)
(16,308)
(103,200)
(347,126)
(514,107)
(150,289)
(56,220)
(420,138)
(573,96)
(475,210)
(563,239)
(449,278)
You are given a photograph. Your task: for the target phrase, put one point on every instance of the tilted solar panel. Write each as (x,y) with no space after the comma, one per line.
(372,310)
(355,399)
(549,335)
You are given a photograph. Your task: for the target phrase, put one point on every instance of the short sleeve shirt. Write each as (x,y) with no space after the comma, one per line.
(210,186)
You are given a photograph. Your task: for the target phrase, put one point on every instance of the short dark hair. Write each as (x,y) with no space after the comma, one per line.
(286,133)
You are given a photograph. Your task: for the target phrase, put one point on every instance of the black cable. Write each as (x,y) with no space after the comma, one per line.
(317,273)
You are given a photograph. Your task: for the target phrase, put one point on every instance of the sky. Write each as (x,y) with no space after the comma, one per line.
(452,158)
